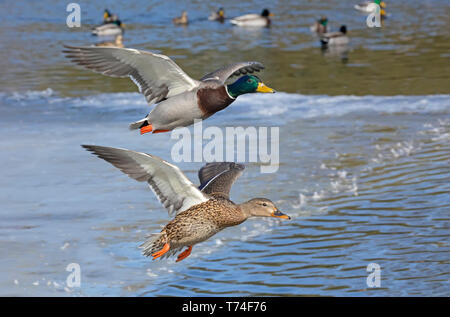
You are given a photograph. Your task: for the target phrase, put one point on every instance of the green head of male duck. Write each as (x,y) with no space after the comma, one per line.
(266,13)
(118,23)
(323,21)
(382,4)
(247,84)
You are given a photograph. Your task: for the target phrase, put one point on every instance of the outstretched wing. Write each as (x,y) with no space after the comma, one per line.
(218,177)
(170,185)
(236,69)
(157,76)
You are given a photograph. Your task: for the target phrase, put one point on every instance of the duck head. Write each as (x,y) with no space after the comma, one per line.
(221,13)
(262,207)
(247,84)
(106,14)
(266,13)
(323,21)
(118,23)
(343,29)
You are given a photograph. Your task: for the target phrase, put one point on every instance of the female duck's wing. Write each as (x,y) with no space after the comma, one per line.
(218,177)
(170,185)
(242,68)
(157,76)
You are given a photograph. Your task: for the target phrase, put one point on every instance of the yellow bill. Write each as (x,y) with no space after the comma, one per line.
(264,88)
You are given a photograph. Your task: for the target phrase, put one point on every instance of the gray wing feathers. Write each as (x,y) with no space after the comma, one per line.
(157,76)
(175,192)
(218,177)
(236,69)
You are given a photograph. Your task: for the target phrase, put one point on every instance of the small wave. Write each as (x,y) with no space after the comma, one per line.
(27,95)
(304,106)
(257,105)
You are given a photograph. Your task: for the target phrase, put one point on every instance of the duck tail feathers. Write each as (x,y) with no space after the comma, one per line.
(139,124)
(155,243)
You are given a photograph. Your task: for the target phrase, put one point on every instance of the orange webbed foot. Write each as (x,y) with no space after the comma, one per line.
(165,248)
(183,255)
(146,129)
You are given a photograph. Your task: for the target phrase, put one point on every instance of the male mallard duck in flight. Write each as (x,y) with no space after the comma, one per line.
(200,212)
(262,19)
(183,20)
(320,26)
(181,99)
(217,16)
(335,38)
(109,29)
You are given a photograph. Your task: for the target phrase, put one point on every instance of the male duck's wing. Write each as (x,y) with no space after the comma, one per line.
(156,75)
(246,17)
(330,35)
(242,68)
(170,185)
(218,177)
(106,26)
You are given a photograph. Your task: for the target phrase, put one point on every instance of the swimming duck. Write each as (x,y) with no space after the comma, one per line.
(180,99)
(199,213)
(260,20)
(320,26)
(109,29)
(117,42)
(217,16)
(183,20)
(335,38)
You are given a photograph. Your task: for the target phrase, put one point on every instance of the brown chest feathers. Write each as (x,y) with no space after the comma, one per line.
(212,100)
(204,220)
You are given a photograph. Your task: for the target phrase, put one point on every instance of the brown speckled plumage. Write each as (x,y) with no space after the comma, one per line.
(196,225)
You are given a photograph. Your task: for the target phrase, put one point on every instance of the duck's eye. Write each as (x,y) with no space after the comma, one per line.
(249,81)
(264,204)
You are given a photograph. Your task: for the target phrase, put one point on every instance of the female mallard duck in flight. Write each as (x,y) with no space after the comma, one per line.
(255,20)
(109,29)
(200,212)
(180,99)
(217,16)
(183,20)
(335,38)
